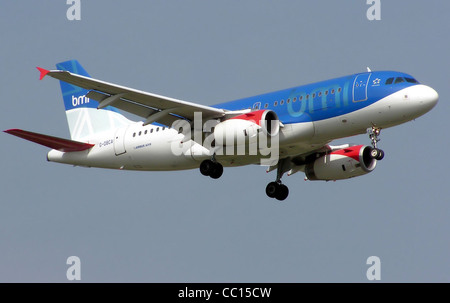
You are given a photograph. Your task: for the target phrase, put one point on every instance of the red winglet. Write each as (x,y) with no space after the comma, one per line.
(60,144)
(43,72)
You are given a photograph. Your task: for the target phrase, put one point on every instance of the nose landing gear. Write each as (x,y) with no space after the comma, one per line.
(374,133)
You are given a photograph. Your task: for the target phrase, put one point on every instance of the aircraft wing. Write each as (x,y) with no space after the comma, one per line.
(152,107)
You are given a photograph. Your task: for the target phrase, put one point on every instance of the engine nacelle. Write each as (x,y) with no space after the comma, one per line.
(341,164)
(240,129)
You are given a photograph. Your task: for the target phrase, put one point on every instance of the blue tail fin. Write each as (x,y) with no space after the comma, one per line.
(83,116)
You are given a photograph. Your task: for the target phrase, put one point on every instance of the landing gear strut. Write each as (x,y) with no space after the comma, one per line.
(211,168)
(376,153)
(277,189)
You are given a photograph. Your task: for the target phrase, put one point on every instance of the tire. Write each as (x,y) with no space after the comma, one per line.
(283,192)
(206,167)
(217,171)
(374,153)
(272,189)
(380,154)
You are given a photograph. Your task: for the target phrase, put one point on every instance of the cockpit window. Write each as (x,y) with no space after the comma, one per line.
(399,80)
(411,80)
(389,81)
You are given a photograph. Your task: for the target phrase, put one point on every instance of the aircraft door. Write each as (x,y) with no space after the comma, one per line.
(119,140)
(360,87)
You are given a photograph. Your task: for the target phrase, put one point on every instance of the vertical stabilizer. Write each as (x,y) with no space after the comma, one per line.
(83,117)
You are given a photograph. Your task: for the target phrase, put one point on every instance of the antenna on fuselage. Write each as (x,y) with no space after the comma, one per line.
(368,70)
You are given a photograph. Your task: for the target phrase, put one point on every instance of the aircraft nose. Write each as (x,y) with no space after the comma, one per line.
(423,97)
(430,97)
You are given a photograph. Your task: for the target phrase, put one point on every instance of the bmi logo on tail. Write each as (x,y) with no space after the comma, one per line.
(79,100)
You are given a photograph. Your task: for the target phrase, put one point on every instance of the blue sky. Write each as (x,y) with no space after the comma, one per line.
(181,226)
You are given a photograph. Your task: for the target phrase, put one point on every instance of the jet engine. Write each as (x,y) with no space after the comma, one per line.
(341,164)
(239,129)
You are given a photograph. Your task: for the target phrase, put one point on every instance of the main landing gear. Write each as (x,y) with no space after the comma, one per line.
(211,168)
(277,189)
(376,153)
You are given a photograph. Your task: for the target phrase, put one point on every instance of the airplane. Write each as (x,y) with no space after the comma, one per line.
(287,130)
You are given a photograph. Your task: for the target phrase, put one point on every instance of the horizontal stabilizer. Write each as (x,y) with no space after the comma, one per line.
(60,144)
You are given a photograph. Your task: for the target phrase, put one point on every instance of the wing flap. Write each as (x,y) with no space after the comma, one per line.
(167,118)
(60,144)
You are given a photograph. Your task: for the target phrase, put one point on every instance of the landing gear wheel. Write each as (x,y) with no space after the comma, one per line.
(377,154)
(212,169)
(217,171)
(206,167)
(380,154)
(272,189)
(277,190)
(283,192)
(373,153)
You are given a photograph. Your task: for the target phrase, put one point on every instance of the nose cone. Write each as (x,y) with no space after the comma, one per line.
(421,99)
(426,97)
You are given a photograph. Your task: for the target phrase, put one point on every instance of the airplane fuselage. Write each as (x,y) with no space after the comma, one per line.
(310,115)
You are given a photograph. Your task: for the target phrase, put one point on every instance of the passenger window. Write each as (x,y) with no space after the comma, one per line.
(281,102)
(320,94)
(163,128)
(145,132)
(326,93)
(332,91)
(266,105)
(288,101)
(295,99)
(399,80)
(339,90)
(157,129)
(134,135)
(275,103)
(151,131)
(140,133)
(389,81)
